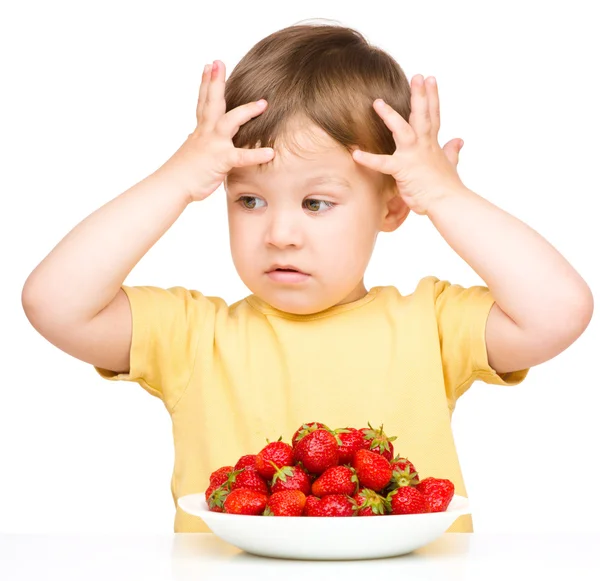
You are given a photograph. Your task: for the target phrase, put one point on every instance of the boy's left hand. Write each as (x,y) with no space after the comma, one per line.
(423,171)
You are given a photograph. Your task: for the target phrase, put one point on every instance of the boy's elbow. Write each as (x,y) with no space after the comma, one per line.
(31,299)
(27,295)
(579,313)
(588,308)
(28,302)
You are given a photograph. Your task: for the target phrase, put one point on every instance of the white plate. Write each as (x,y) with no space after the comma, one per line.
(303,537)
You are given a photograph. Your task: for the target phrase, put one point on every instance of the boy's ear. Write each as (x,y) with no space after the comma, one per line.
(395,211)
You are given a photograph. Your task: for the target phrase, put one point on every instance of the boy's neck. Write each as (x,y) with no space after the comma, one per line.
(358,293)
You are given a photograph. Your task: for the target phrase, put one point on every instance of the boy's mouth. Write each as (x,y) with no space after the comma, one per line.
(285,268)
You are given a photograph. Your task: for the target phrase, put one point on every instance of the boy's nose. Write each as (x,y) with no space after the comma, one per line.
(283,231)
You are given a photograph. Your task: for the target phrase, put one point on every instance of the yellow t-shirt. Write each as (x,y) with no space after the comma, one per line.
(232,376)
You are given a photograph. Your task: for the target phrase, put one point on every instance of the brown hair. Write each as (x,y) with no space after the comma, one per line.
(326,74)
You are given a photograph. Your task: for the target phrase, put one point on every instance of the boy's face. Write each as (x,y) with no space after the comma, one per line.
(282,218)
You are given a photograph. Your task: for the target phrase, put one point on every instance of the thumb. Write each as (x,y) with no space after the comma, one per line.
(452,149)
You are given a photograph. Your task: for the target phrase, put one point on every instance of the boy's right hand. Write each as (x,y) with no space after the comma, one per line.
(201,164)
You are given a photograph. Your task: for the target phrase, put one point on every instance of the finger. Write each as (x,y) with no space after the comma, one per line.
(419,108)
(375,161)
(452,149)
(401,130)
(434,105)
(214,107)
(203,91)
(231,122)
(244,157)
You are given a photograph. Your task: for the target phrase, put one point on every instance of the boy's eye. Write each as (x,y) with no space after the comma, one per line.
(243,199)
(249,203)
(314,204)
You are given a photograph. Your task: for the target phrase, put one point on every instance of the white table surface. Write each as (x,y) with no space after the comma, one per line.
(202,557)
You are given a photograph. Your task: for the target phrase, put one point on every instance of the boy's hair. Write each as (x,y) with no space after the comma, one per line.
(326,74)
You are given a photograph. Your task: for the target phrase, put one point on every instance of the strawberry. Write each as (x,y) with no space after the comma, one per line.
(247,478)
(377,441)
(368,503)
(243,501)
(373,470)
(219,476)
(247,461)
(311,503)
(274,455)
(408,500)
(317,451)
(352,440)
(438,491)
(336,480)
(285,503)
(312,477)
(216,499)
(291,478)
(333,505)
(306,429)
(210,490)
(403,474)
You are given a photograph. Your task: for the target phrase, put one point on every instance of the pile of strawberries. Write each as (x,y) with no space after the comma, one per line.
(324,472)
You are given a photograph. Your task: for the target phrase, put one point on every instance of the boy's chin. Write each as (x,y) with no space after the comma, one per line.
(295,302)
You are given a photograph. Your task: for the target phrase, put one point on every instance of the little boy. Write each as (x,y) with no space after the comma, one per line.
(305,205)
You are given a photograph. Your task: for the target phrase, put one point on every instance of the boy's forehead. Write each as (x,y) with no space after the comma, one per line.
(323,176)
(308,175)
(303,151)
(322,165)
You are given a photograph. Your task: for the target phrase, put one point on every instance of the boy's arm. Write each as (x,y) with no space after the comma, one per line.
(542,303)
(73,297)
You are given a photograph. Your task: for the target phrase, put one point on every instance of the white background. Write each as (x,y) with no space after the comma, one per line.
(98,95)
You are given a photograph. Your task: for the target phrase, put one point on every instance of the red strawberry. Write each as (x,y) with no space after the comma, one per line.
(291,478)
(285,503)
(210,490)
(219,476)
(216,499)
(408,500)
(403,473)
(377,441)
(278,453)
(306,429)
(373,470)
(317,451)
(247,478)
(369,503)
(352,440)
(312,477)
(243,501)
(336,480)
(438,491)
(333,505)
(247,461)
(311,503)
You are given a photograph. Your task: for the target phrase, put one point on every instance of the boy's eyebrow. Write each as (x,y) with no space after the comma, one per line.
(312,181)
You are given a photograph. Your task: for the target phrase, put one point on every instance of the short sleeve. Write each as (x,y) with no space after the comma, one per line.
(166,327)
(462,315)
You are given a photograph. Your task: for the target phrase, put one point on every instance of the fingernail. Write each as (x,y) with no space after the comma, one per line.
(206,69)
(261,103)
(215,66)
